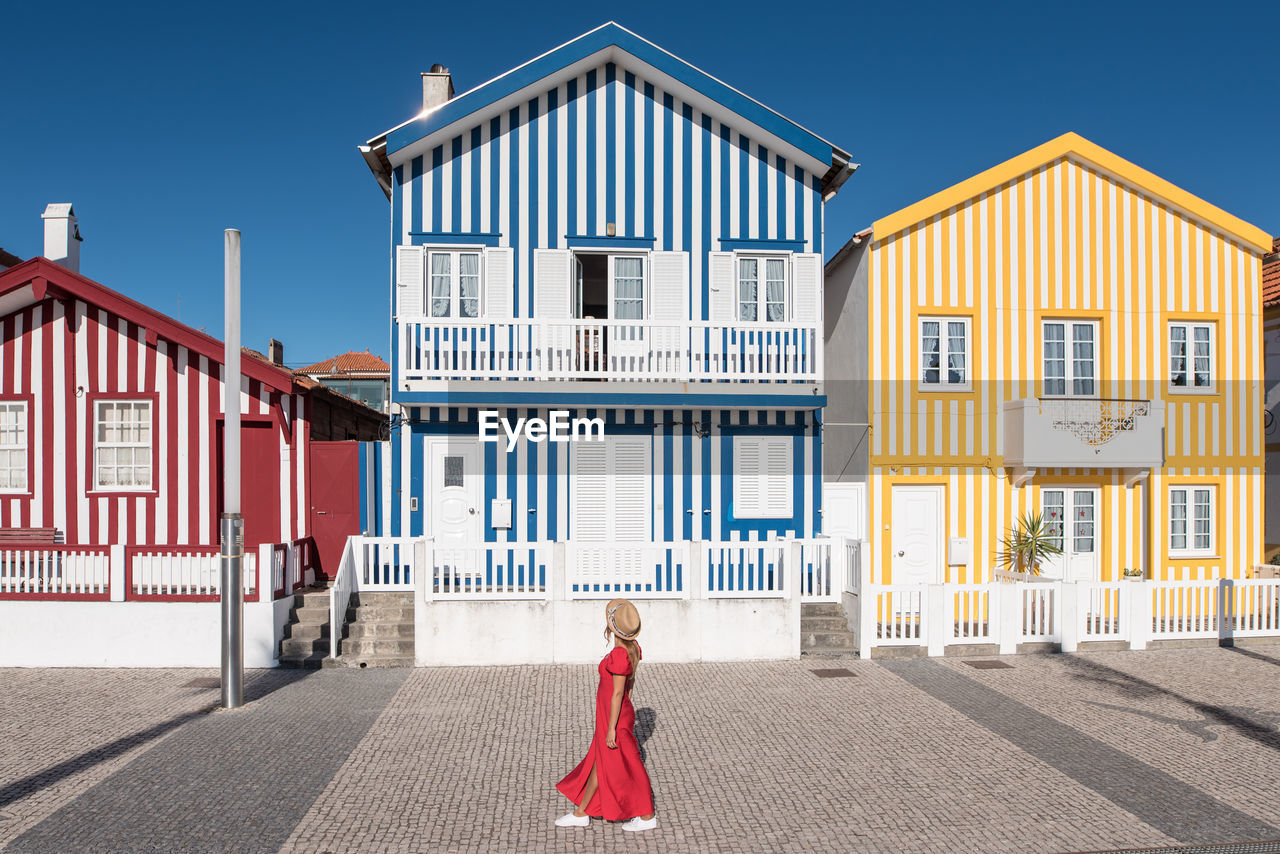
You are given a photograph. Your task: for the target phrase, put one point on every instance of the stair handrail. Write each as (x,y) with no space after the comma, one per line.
(344,583)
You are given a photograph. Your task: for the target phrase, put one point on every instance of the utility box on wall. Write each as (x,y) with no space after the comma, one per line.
(959,551)
(500,512)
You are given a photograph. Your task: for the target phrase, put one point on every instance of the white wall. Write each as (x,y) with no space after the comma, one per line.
(572,632)
(133,634)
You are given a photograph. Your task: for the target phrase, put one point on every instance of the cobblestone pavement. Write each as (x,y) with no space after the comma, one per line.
(1089,752)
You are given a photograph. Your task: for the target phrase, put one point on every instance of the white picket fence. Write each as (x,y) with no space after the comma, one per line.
(1016,610)
(55,572)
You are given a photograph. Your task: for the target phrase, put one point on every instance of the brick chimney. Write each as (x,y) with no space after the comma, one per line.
(62,236)
(437,86)
(275,352)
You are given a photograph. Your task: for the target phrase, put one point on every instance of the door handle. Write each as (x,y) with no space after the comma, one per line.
(322,512)
(901,553)
(471,510)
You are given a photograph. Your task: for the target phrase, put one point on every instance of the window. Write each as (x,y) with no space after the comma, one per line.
(762,477)
(762,298)
(628,287)
(1073,372)
(13,446)
(453,284)
(944,352)
(122,445)
(1191,356)
(1191,521)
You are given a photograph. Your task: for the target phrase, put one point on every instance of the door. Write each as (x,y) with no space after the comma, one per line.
(916,535)
(627,346)
(259,481)
(456,517)
(335,501)
(1072,514)
(844,510)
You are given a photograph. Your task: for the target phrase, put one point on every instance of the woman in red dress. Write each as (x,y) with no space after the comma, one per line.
(611,782)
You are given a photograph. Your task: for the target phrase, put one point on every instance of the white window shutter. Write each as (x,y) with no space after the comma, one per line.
(777,478)
(746,477)
(551,284)
(498,284)
(723,299)
(632,482)
(590,492)
(408,281)
(806,286)
(669,272)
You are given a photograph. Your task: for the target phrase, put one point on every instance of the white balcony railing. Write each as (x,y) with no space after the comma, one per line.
(1083,433)
(459,349)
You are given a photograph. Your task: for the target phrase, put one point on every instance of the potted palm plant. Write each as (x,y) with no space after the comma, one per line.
(1029,541)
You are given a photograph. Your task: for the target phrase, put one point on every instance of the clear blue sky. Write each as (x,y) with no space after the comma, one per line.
(166,123)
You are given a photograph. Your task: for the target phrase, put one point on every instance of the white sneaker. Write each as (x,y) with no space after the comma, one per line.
(571,820)
(638,824)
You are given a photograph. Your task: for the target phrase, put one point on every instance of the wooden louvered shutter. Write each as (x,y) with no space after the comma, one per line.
(590,493)
(408,281)
(806,287)
(630,466)
(498,284)
(552,301)
(669,308)
(762,477)
(722,300)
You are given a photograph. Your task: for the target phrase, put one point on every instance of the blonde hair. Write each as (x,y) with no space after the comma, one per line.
(621,635)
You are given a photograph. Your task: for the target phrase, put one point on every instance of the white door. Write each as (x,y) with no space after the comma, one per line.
(1072,515)
(844,510)
(455,523)
(916,535)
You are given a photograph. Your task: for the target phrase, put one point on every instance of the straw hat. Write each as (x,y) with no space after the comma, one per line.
(622,618)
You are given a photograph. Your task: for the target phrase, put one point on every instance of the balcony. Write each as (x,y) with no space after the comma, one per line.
(1083,433)
(432,350)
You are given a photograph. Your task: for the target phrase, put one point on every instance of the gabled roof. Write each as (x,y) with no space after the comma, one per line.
(39,279)
(608,42)
(349,363)
(1074,145)
(1271,276)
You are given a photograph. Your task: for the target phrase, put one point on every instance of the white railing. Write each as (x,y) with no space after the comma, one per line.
(1039,610)
(344,584)
(745,570)
(456,349)
(493,571)
(822,565)
(645,569)
(55,571)
(383,563)
(1184,609)
(973,610)
(177,573)
(900,613)
(1104,611)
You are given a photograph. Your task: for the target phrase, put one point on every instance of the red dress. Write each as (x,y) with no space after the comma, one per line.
(623,786)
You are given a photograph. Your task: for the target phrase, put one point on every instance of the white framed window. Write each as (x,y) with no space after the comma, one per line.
(453,283)
(122,445)
(762,288)
(1191,360)
(628,289)
(762,482)
(1070,352)
(944,353)
(1191,521)
(13,446)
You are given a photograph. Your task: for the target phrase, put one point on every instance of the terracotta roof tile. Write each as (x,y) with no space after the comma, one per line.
(349,363)
(1271,276)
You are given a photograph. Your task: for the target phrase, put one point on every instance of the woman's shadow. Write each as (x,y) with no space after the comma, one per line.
(646,723)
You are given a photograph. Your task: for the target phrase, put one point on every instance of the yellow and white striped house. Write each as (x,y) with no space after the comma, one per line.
(1069,333)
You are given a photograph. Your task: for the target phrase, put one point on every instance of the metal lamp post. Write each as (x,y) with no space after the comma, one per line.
(231,527)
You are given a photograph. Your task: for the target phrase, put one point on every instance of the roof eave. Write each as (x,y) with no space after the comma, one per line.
(375,157)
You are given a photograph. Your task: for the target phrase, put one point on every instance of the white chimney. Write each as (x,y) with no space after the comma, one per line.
(62,236)
(437,86)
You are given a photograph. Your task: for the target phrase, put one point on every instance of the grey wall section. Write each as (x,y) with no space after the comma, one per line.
(1271,481)
(846,439)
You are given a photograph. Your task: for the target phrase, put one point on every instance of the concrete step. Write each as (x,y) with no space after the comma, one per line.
(821,609)
(824,624)
(828,652)
(306,631)
(361,630)
(310,597)
(303,646)
(834,640)
(366,647)
(312,661)
(381,614)
(404,599)
(309,614)
(378,661)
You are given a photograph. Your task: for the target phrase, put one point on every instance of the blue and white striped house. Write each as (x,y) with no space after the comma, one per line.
(609,231)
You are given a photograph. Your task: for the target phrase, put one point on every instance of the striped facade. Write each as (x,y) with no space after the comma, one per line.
(607,153)
(692,498)
(58,355)
(1068,231)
